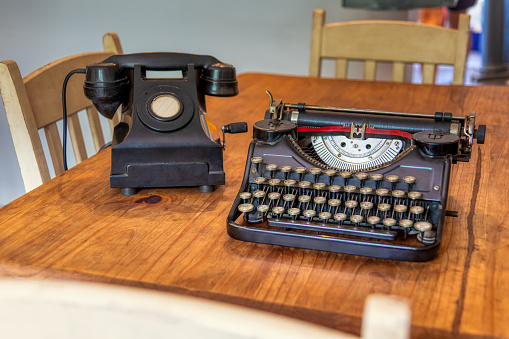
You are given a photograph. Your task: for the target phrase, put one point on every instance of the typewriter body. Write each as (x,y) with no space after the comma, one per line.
(363,182)
(163,139)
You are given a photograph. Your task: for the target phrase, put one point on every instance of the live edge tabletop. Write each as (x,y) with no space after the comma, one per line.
(174,239)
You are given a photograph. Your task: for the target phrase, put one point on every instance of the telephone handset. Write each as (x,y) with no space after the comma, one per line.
(163,139)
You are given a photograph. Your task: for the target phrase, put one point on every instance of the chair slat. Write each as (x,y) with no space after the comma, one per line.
(95,128)
(31,159)
(341,68)
(55,147)
(428,73)
(369,70)
(398,71)
(78,144)
(315,62)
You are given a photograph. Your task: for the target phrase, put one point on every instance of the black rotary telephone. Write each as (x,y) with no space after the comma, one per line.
(163,139)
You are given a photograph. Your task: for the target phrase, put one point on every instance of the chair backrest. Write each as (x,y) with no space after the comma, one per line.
(398,42)
(35,102)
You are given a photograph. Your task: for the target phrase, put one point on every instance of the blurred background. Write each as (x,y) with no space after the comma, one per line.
(255,36)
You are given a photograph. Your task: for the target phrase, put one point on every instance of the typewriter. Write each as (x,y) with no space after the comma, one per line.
(363,182)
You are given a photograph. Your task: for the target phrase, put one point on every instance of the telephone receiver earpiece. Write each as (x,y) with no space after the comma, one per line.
(106,87)
(219,80)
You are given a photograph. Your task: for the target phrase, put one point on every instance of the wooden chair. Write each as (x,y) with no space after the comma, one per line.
(35,102)
(57,309)
(398,42)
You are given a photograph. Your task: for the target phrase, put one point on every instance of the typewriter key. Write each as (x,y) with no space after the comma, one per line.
(245,196)
(384,207)
(356,219)
(245,208)
(330,173)
(262,208)
(366,205)
(274,195)
(423,226)
(316,172)
(272,168)
(274,182)
(406,223)
(334,202)
(334,188)
(376,177)
(382,192)
(289,197)
(319,186)
(293,212)
(400,208)
(389,222)
(398,194)
(319,200)
(289,182)
(350,188)
(301,171)
(304,184)
(258,194)
(351,204)
(392,178)
(361,175)
(345,175)
(366,190)
(286,169)
(373,220)
(416,210)
(409,179)
(340,217)
(414,195)
(325,216)
(309,214)
(259,180)
(278,211)
(256,161)
(304,198)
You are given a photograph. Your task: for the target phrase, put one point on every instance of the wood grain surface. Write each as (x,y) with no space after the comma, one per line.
(76,227)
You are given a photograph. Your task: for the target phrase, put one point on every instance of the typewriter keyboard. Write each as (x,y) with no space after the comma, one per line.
(338,203)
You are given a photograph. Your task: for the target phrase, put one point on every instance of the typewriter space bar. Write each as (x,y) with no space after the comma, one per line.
(333,228)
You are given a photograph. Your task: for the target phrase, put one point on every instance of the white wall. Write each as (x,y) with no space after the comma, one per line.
(255,35)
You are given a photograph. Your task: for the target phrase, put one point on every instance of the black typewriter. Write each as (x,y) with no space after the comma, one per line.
(363,182)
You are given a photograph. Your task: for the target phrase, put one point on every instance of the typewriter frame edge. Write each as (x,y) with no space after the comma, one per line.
(321,243)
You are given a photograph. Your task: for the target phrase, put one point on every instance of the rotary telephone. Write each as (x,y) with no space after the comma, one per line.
(163,139)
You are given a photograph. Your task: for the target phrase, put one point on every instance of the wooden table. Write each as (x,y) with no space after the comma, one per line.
(76,227)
